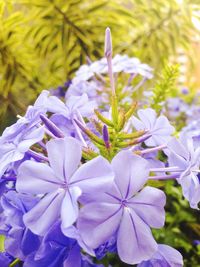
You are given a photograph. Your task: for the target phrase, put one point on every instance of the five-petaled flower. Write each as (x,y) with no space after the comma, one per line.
(61,184)
(125,211)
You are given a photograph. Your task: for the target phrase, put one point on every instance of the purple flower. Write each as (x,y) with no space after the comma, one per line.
(6,259)
(192,130)
(107,247)
(62,183)
(176,106)
(58,250)
(53,251)
(16,141)
(119,64)
(75,258)
(59,91)
(196,242)
(18,138)
(74,105)
(19,241)
(125,211)
(3,187)
(133,65)
(83,87)
(80,104)
(159,128)
(165,256)
(187,159)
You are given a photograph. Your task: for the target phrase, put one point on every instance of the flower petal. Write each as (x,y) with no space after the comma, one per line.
(135,242)
(44,214)
(131,172)
(31,138)
(64,156)
(148,117)
(36,178)
(93,175)
(163,127)
(172,256)
(149,206)
(69,209)
(7,158)
(99,221)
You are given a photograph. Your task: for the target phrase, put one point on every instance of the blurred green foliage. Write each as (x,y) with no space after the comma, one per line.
(165,87)
(42,42)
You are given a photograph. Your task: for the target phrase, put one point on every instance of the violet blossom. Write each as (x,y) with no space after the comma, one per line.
(20,241)
(124,210)
(61,183)
(186,158)
(158,127)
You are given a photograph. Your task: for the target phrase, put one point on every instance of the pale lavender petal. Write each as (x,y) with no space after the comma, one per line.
(135,242)
(111,195)
(165,256)
(55,105)
(162,124)
(69,209)
(177,154)
(30,139)
(64,156)
(80,103)
(36,178)
(148,116)
(191,189)
(97,222)
(131,172)
(139,125)
(7,158)
(44,214)
(42,100)
(176,160)
(74,258)
(195,198)
(73,232)
(172,256)
(196,155)
(96,174)
(178,148)
(159,128)
(149,206)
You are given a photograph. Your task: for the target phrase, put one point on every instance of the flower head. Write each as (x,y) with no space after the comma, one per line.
(184,155)
(159,128)
(124,210)
(61,183)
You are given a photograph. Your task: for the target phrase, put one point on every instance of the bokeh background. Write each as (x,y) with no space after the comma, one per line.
(43,42)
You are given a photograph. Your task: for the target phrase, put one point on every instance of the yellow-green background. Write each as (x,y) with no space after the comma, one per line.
(42,42)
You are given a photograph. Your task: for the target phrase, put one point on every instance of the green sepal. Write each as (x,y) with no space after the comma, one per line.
(131,110)
(98,125)
(103,119)
(131,135)
(89,154)
(121,120)
(90,134)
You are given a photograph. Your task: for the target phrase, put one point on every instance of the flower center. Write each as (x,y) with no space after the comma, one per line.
(124,202)
(64,186)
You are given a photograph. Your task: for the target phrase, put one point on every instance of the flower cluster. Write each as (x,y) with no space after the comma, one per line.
(75,173)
